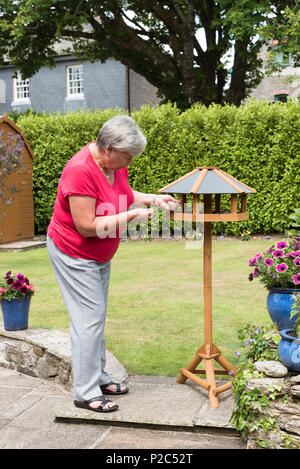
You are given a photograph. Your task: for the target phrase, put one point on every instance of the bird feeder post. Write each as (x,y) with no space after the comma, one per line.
(209,181)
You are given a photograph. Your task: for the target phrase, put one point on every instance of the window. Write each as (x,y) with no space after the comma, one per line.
(281,97)
(281,58)
(21,89)
(75,81)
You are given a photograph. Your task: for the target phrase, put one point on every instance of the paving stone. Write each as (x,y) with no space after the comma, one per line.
(119,438)
(55,436)
(9,395)
(14,379)
(146,404)
(4,422)
(19,406)
(40,414)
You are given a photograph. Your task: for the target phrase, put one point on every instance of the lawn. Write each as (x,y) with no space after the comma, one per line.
(155,311)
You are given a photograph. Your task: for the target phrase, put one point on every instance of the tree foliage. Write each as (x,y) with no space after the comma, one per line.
(159,40)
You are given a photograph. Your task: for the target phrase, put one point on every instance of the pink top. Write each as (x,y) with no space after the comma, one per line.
(82,176)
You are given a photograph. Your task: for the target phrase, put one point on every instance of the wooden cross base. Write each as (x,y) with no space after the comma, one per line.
(208,353)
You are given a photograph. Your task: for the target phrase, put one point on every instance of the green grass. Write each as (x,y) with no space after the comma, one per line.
(155,310)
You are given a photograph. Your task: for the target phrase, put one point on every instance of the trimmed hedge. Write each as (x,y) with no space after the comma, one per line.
(258,143)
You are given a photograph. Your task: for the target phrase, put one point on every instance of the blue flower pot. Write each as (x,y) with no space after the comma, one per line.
(15,313)
(289,350)
(279,304)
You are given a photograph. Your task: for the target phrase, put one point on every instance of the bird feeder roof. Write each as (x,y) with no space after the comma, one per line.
(207,180)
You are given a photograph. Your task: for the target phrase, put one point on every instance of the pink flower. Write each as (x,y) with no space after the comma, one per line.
(295,253)
(257,256)
(269,262)
(281,245)
(297,262)
(278,254)
(281,268)
(17,285)
(296,279)
(30,287)
(252,262)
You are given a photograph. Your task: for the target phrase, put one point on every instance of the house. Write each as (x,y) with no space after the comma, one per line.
(73,85)
(282,85)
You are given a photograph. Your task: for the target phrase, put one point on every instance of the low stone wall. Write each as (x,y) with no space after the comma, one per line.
(284,409)
(46,354)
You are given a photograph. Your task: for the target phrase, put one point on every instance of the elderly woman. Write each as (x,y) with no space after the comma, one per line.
(90,212)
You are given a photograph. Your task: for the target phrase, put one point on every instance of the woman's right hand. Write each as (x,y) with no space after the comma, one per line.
(142,214)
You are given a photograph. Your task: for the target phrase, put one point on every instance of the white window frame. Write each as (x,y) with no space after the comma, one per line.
(21,88)
(76,82)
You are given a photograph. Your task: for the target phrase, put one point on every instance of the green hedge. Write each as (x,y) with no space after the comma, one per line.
(258,143)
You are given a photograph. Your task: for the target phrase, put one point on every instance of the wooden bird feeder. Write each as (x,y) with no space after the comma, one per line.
(211,182)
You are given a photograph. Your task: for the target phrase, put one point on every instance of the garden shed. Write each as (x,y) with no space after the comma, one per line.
(16,211)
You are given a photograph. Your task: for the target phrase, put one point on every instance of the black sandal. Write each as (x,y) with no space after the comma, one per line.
(85,404)
(104,389)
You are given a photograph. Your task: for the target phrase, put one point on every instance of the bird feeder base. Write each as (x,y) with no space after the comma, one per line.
(208,353)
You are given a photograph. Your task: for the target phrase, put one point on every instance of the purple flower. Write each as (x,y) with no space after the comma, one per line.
(8,274)
(252,262)
(251,277)
(281,245)
(281,268)
(296,279)
(230,372)
(258,330)
(270,250)
(269,262)
(10,281)
(248,342)
(278,253)
(20,278)
(297,262)
(256,272)
(237,354)
(23,288)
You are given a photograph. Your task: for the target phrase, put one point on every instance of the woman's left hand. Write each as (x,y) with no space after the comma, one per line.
(165,201)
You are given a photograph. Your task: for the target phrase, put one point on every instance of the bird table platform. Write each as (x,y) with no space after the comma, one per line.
(209,183)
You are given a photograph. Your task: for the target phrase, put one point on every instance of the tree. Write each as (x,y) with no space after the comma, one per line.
(159,40)
(283,32)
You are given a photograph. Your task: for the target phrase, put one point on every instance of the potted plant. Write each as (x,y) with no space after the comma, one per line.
(278,268)
(289,345)
(15,296)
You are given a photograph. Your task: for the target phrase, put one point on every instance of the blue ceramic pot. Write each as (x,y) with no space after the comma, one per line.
(279,304)
(289,350)
(15,313)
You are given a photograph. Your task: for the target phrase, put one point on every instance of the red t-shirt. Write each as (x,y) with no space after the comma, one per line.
(82,176)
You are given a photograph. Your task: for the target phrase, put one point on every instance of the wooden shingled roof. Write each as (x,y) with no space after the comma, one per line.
(207,180)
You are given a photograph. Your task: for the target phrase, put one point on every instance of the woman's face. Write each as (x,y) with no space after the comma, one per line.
(118,159)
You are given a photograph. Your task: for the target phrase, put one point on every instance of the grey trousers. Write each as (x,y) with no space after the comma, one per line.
(84,287)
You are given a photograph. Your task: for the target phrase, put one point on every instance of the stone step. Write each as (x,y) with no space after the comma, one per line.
(159,402)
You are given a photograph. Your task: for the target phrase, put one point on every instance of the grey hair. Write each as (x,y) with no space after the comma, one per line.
(123,134)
